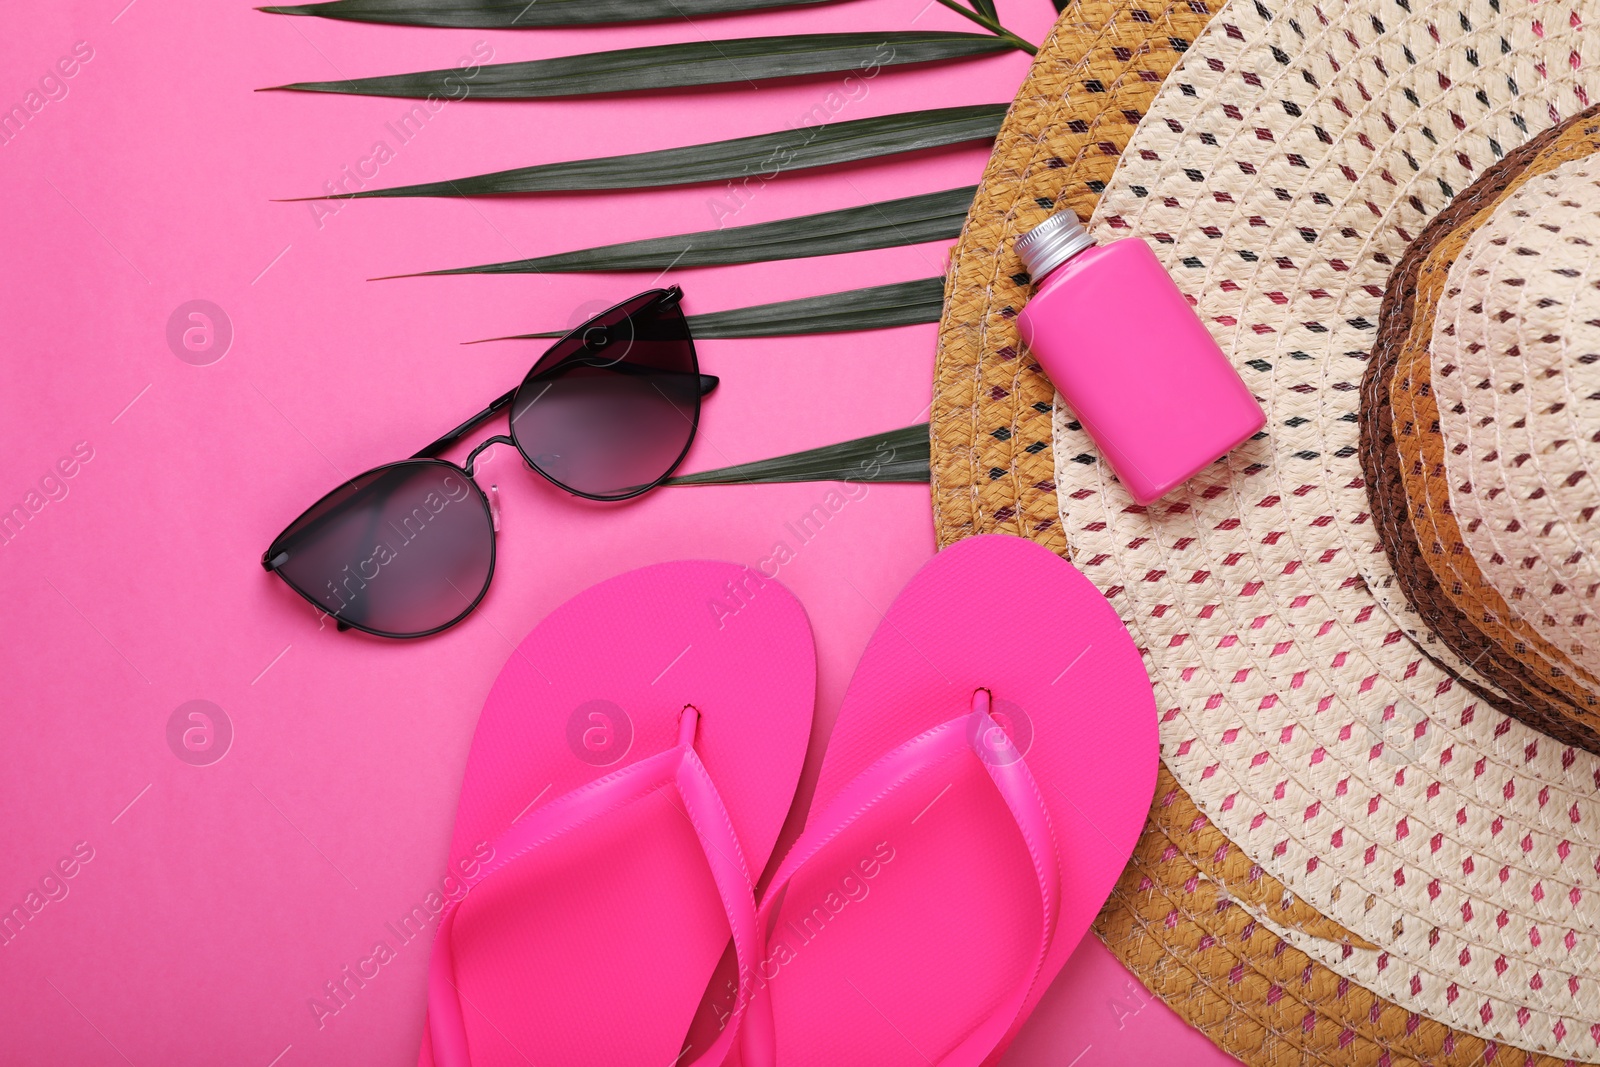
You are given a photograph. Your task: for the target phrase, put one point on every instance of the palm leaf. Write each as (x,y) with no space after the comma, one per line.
(758,158)
(748,59)
(983,13)
(519,14)
(877,308)
(896,456)
(908,221)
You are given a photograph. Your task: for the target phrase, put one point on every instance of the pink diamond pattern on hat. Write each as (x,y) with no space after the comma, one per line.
(1290,159)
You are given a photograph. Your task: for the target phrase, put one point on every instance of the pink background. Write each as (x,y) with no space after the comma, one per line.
(219,899)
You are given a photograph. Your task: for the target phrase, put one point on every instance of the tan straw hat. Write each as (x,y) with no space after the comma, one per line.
(1371,631)
(1483,496)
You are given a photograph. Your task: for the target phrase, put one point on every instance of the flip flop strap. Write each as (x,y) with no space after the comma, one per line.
(679,767)
(978,733)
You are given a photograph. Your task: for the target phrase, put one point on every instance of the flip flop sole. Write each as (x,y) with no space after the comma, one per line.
(917,922)
(599,951)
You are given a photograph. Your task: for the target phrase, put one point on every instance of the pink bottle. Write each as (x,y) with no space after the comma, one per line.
(1138,369)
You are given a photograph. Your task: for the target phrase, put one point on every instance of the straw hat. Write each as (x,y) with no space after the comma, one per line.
(1483,498)
(1371,632)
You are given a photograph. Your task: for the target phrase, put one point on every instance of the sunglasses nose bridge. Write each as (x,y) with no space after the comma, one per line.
(492,495)
(470,463)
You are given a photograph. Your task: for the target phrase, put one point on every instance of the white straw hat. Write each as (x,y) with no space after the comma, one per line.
(1359,751)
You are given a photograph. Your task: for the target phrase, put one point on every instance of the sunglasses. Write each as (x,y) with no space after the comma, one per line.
(407,549)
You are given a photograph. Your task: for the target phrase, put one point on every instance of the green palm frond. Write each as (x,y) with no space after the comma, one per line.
(907,221)
(755,159)
(669,66)
(522,14)
(983,13)
(875,308)
(896,456)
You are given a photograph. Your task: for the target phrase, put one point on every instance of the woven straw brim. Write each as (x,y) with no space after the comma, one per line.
(1205,913)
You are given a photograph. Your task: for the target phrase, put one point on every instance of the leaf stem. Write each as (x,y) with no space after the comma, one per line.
(992,25)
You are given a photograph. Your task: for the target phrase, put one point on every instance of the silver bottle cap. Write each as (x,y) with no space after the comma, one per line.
(1053,242)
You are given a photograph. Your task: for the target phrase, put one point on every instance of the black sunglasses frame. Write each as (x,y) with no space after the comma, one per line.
(275,556)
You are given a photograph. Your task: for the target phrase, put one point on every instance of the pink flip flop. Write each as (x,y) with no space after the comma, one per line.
(985,783)
(630,772)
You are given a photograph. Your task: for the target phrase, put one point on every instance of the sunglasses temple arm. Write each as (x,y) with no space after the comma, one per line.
(499,404)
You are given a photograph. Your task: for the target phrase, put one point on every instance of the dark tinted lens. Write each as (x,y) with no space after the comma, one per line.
(611,408)
(401,550)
